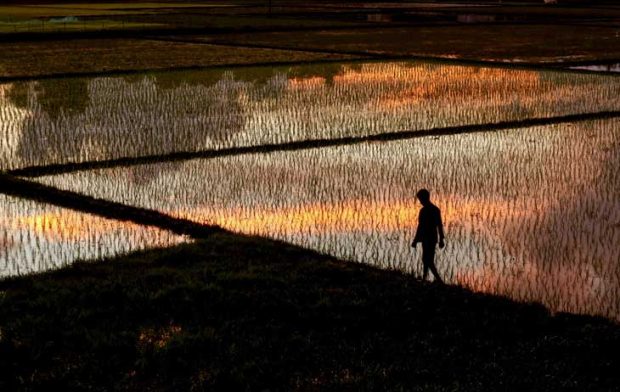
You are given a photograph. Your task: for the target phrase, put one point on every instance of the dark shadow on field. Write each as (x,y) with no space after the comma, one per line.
(238,313)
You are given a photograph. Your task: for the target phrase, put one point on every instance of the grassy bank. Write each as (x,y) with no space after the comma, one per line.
(238,313)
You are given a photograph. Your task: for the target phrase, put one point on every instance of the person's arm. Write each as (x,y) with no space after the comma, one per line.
(440,228)
(416,238)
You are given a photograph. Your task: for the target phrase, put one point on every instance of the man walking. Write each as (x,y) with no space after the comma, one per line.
(429,225)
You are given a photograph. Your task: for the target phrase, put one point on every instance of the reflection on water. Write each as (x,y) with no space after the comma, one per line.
(36,237)
(599,68)
(530,213)
(82,119)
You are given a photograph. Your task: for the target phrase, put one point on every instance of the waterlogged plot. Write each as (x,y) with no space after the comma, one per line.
(599,67)
(36,237)
(84,119)
(532,213)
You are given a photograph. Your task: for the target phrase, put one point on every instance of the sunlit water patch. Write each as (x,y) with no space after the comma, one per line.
(36,237)
(85,119)
(614,68)
(531,213)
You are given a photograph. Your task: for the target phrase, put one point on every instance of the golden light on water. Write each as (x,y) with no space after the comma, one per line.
(309,83)
(349,215)
(66,225)
(352,215)
(440,84)
(37,237)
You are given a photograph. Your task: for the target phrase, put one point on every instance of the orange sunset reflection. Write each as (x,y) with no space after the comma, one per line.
(561,286)
(69,225)
(349,215)
(37,237)
(309,83)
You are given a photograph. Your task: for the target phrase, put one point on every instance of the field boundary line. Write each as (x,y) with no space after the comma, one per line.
(146,71)
(43,170)
(13,186)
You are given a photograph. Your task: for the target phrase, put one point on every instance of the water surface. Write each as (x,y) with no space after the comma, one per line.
(530,213)
(86,119)
(613,68)
(36,237)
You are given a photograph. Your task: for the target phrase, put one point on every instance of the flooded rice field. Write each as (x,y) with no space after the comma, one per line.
(89,119)
(613,68)
(532,213)
(38,237)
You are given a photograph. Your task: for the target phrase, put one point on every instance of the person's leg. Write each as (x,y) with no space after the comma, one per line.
(428,258)
(435,273)
(424,263)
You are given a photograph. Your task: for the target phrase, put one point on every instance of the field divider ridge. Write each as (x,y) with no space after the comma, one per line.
(13,186)
(70,167)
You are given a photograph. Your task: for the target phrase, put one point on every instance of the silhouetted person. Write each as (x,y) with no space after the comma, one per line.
(429,226)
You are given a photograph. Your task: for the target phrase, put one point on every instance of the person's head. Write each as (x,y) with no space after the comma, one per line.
(424,196)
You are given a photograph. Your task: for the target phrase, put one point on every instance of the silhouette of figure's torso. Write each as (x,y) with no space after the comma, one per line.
(428,222)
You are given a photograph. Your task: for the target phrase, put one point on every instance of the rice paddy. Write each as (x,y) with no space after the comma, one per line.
(532,213)
(36,237)
(221,196)
(89,119)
